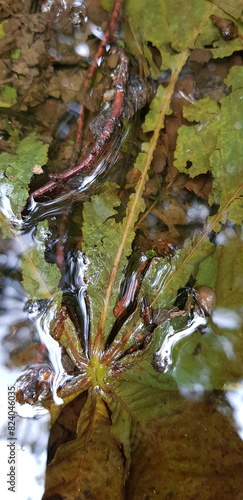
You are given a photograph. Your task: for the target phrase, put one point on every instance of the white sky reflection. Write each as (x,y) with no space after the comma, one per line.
(235,398)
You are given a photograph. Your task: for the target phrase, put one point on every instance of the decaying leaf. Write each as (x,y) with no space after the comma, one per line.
(83,465)
(162,451)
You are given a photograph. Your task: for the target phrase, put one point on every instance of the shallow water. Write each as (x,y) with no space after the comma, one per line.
(197,441)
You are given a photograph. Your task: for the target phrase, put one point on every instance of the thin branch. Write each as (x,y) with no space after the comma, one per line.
(102,141)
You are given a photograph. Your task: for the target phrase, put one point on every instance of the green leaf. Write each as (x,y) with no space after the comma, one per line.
(170,29)
(155,108)
(15,54)
(214,144)
(40,279)
(99,220)
(202,111)
(17,170)
(103,237)
(165,277)
(2,32)
(8,96)
(226,48)
(216,357)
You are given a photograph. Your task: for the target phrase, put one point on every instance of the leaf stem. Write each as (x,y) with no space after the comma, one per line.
(138,195)
(113,351)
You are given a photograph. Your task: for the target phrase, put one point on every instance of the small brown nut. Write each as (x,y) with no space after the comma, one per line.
(205,297)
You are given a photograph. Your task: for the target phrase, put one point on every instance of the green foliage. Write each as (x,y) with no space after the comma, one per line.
(165,277)
(221,268)
(2,32)
(170,29)
(8,96)
(17,169)
(214,144)
(15,54)
(103,238)
(155,108)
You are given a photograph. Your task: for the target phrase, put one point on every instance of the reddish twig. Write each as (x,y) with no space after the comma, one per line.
(60,242)
(79,135)
(102,141)
(109,35)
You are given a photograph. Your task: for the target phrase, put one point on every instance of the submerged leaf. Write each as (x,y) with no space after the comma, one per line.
(216,357)
(232,7)
(17,169)
(165,277)
(169,30)
(215,143)
(155,108)
(8,96)
(40,279)
(92,464)
(103,237)
(173,456)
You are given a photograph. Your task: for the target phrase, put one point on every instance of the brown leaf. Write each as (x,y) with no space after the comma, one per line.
(175,456)
(92,465)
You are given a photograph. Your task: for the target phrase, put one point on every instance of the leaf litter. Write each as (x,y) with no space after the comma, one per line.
(113,363)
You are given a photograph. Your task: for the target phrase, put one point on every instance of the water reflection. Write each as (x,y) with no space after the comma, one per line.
(235,399)
(163,358)
(227,319)
(202,355)
(31,435)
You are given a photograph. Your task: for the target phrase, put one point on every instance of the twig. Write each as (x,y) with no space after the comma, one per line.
(102,141)
(109,35)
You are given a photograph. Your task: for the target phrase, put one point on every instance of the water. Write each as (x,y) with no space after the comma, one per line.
(193,358)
